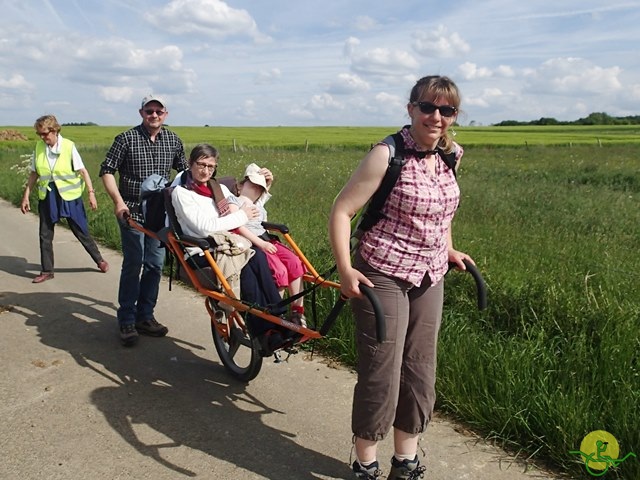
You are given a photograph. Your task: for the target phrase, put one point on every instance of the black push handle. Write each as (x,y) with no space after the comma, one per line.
(481,286)
(381,326)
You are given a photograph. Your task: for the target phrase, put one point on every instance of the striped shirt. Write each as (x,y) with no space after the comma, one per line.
(411,238)
(135,157)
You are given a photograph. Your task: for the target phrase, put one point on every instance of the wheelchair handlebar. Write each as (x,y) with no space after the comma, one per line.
(481,286)
(381,327)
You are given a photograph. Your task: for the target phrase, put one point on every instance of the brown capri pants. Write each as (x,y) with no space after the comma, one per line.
(396,379)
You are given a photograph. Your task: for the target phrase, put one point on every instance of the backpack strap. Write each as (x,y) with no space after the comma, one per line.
(373,212)
(450,160)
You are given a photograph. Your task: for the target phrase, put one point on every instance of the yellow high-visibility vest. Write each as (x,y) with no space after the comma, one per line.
(68,182)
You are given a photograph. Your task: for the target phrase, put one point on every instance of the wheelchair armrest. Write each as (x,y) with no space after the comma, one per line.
(190,241)
(279,227)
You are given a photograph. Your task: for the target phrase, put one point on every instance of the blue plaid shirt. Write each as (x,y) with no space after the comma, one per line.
(135,157)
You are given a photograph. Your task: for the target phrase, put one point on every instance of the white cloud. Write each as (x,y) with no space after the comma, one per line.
(212,18)
(390,102)
(476,102)
(491,97)
(301,113)
(511,60)
(384,62)
(248,109)
(439,43)
(123,56)
(118,63)
(470,71)
(117,94)
(267,77)
(324,101)
(347,83)
(350,46)
(488,97)
(365,22)
(15,82)
(574,76)
(504,71)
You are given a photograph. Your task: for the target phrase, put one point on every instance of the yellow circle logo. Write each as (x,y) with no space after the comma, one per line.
(599,451)
(599,448)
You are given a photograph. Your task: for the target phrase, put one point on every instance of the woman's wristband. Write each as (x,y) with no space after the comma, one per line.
(92,191)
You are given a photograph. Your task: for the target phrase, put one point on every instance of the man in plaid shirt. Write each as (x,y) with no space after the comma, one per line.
(135,154)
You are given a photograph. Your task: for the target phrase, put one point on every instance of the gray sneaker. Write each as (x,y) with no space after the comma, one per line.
(406,469)
(151,327)
(128,335)
(372,472)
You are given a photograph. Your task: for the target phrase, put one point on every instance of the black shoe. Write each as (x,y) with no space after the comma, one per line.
(128,335)
(151,327)
(270,341)
(406,469)
(372,472)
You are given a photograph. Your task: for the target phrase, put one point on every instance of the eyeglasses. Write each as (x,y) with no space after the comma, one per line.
(157,112)
(43,134)
(428,108)
(206,166)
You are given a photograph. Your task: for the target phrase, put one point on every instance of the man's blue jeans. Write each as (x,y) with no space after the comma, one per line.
(138,294)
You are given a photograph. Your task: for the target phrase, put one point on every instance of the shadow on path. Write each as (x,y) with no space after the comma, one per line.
(20,267)
(164,386)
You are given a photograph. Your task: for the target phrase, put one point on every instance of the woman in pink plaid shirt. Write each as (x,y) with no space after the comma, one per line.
(404,257)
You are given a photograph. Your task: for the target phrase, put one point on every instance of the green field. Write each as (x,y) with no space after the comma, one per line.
(552,217)
(357,137)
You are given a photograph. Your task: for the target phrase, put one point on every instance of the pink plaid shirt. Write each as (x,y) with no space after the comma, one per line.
(411,240)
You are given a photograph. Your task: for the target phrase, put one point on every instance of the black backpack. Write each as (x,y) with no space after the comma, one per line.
(152,202)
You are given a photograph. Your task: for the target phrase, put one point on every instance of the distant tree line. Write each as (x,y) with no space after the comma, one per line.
(597,118)
(80,124)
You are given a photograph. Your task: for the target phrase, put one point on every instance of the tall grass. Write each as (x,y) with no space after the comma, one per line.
(555,232)
(557,354)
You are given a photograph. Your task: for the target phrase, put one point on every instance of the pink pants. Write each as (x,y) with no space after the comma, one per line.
(285,265)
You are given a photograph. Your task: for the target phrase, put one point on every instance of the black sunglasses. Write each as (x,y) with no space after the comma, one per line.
(160,112)
(428,108)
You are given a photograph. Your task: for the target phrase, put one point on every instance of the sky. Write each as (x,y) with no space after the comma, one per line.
(315,63)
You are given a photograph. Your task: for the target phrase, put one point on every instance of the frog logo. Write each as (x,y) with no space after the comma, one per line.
(600,451)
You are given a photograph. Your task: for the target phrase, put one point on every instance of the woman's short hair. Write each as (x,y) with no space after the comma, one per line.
(47,122)
(202,150)
(436,86)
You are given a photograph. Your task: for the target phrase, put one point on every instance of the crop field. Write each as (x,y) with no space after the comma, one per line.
(551,216)
(354,137)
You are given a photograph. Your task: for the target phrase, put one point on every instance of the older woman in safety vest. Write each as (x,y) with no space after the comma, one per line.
(61,177)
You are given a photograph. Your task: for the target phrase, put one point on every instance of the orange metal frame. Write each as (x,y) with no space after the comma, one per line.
(226,296)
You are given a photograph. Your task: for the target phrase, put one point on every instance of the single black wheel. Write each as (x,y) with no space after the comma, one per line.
(238,351)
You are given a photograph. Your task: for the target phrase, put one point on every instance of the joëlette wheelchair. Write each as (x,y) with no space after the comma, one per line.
(241,352)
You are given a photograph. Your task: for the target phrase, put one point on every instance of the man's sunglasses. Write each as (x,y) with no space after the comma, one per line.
(428,108)
(160,112)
